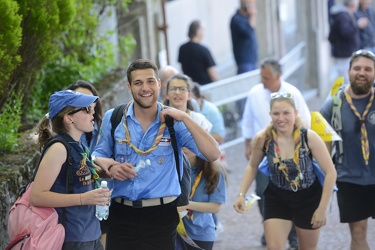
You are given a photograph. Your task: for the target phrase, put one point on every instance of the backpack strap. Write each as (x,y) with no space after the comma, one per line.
(69,170)
(169,121)
(115,120)
(68,162)
(305,140)
(336,124)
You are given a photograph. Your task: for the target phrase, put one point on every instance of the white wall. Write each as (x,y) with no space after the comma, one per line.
(216,15)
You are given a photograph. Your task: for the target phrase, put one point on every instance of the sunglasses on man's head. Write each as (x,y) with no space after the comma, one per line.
(365,53)
(281,95)
(88,110)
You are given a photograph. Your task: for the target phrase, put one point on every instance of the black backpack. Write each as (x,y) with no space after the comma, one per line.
(185,184)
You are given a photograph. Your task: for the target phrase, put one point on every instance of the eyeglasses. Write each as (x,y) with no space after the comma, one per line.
(365,53)
(281,95)
(88,110)
(181,89)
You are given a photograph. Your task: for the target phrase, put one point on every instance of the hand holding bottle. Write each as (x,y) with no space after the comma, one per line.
(102,212)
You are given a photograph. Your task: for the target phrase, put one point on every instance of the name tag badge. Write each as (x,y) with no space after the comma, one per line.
(165,142)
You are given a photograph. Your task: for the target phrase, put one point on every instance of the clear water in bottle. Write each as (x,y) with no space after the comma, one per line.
(102,211)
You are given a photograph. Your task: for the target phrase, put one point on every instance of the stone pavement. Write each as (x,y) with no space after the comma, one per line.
(243,231)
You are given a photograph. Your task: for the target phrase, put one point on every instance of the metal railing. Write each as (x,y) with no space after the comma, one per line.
(229,90)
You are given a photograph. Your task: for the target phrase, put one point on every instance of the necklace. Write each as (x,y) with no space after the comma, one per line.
(128,139)
(294,184)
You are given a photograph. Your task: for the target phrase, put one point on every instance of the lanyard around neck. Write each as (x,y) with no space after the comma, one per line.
(196,182)
(297,144)
(157,139)
(362,119)
(294,184)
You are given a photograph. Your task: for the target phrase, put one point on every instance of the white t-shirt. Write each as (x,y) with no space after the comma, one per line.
(201,120)
(257,108)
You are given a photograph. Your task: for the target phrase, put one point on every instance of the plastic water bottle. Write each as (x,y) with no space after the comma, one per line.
(142,164)
(102,211)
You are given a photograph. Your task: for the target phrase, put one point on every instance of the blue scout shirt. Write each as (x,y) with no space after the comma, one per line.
(202,227)
(153,181)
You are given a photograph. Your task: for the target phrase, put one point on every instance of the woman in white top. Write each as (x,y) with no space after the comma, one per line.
(178,96)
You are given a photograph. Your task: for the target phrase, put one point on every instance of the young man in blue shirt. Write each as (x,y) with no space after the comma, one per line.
(143,212)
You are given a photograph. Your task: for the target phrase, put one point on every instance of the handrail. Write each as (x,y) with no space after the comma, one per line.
(231,89)
(237,87)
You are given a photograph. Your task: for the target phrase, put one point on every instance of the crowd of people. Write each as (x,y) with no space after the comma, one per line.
(283,153)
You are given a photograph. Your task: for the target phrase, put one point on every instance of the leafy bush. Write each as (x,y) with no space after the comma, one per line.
(10,120)
(86,54)
(46,45)
(10,39)
(41,25)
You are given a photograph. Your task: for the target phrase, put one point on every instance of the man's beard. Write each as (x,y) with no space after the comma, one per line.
(361,89)
(142,105)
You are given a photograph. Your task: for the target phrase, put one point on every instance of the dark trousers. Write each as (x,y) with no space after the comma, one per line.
(148,228)
(89,245)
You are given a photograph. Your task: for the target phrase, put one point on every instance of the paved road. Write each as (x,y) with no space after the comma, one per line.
(244,231)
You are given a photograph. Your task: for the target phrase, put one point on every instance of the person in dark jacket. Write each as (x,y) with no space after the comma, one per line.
(244,40)
(344,36)
(367,33)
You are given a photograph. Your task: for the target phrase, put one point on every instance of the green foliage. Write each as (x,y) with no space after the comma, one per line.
(10,39)
(44,46)
(43,23)
(33,28)
(10,120)
(86,53)
(127,46)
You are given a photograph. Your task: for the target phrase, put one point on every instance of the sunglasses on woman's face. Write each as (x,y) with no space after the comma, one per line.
(88,110)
